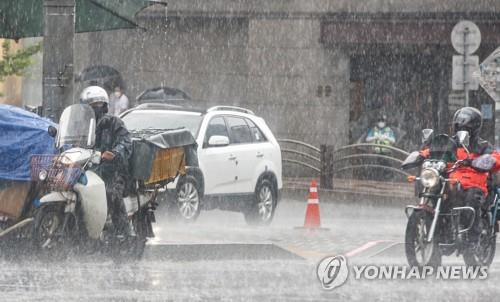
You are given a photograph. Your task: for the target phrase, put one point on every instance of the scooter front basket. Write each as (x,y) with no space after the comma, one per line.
(48,168)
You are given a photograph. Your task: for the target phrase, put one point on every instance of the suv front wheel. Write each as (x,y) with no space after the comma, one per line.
(261,212)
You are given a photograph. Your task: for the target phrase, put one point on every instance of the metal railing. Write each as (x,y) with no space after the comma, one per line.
(363,157)
(362,145)
(309,158)
(330,162)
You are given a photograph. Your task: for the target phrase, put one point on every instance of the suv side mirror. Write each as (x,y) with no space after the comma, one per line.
(218,141)
(52,131)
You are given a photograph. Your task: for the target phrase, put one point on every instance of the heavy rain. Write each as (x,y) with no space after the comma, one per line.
(237,150)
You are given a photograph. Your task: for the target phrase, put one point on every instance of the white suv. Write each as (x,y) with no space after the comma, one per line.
(239,160)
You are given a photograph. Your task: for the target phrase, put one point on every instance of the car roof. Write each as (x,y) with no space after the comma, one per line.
(172,107)
(162,106)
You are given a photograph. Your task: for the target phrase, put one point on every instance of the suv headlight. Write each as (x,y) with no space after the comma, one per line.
(429,178)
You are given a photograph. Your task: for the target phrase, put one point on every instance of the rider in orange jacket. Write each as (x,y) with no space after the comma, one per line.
(473,187)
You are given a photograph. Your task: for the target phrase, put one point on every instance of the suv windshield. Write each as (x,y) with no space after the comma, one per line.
(163,119)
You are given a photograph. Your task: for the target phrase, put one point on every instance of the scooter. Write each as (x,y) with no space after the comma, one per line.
(73,215)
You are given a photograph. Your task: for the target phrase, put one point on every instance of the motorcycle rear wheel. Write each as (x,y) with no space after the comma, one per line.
(483,254)
(418,251)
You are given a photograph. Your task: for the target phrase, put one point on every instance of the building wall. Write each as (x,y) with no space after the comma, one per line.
(265,55)
(286,65)
(271,66)
(300,7)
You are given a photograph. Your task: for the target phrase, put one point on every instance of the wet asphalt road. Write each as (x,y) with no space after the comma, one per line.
(220,258)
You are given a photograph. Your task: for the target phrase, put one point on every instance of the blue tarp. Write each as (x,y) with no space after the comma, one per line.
(22,134)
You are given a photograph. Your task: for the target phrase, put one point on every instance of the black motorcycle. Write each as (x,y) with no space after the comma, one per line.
(436,226)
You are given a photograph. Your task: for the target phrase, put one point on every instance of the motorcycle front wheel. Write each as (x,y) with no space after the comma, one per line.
(419,252)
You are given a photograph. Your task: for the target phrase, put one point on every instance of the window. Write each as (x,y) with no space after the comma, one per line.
(240,132)
(257,135)
(163,119)
(216,126)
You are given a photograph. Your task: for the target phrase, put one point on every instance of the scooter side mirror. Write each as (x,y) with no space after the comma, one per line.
(52,131)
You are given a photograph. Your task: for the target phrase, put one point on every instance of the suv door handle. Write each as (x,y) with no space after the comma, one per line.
(232,157)
(260,154)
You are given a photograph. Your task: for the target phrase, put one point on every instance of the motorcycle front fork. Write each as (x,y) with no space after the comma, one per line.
(437,210)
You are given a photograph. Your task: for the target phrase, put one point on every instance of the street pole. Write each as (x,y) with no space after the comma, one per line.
(58,43)
(466,84)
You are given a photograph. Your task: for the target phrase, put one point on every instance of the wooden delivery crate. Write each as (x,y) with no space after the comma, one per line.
(166,165)
(13,197)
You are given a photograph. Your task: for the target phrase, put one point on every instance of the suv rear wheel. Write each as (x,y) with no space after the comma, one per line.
(261,212)
(187,203)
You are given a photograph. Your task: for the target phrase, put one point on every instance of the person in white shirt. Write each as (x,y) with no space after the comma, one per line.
(118,102)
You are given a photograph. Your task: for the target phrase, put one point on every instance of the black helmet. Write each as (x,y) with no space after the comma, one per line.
(469,119)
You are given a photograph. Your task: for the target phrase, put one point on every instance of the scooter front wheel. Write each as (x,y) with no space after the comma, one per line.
(49,238)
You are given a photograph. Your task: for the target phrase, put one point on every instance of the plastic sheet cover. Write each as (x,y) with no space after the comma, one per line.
(22,134)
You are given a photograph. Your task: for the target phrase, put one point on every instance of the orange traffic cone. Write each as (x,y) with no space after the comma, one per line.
(312,220)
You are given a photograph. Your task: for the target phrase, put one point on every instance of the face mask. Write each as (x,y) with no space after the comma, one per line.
(99,112)
(381,125)
(117,94)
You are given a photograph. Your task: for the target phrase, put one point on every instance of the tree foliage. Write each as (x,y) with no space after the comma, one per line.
(15,63)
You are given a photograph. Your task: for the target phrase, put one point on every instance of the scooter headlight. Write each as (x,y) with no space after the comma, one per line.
(42,175)
(66,160)
(429,178)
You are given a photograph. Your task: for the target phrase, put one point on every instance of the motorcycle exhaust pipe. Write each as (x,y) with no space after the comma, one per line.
(16,226)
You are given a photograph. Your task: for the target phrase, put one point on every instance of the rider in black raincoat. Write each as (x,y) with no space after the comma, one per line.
(114,142)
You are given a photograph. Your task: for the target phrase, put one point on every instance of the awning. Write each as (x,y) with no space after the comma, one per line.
(24,18)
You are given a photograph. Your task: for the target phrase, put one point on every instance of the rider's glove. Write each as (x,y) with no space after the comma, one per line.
(467,162)
(108,156)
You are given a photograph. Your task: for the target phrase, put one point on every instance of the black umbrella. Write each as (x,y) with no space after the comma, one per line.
(101,75)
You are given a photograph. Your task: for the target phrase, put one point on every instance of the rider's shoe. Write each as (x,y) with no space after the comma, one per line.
(131,230)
